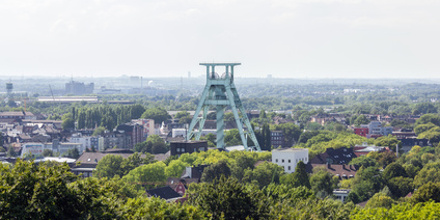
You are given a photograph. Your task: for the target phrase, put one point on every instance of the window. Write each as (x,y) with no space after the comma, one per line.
(288,168)
(276,160)
(177,149)
(282,161)
(289,160)
(183,149)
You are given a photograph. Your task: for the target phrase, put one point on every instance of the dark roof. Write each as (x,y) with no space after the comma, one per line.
(341,170)
(163,192)
(334,156)
(9,120)
(118,150)
(414,141)
(86,165)
(125,127)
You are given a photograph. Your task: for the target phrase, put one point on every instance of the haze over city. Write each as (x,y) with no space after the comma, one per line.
(289,39)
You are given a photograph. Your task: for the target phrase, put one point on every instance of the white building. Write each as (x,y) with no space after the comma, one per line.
(375,128)
(176,132)
(34,149)
(341,194)
(86,141)
(37,149)
(289,157)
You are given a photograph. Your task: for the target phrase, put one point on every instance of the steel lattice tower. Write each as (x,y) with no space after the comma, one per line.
(220,92)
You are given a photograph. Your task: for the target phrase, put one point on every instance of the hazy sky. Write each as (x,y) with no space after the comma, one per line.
(285,38)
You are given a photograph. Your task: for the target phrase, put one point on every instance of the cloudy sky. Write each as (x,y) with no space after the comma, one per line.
(285,38)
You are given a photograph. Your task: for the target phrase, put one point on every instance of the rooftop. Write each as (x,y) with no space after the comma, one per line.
(291,149)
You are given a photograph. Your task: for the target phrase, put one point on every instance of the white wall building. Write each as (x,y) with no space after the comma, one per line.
(289,157)
(341,194)
(176,132)
(34,149)
(37,149)
(375,128)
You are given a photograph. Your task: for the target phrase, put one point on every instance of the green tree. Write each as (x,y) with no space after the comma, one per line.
(400,186)
(109,166)
(429,173)
(73,153)
(291,133)
(136,111)
(135,160)
(98,131)
(159,115)
(175,168)
(156,208)
(47,153)
(51,192)
(387,141)
(228,198)
(424,127)
(380,200)
(433,135)
(232,137)
(364,161)
(428,118)
(68,124)
(321,183)
(361,119)
(424,108)
(428,210)
(149,175)
(426,192)
(154,144)
(394,170)
(181,114)
(366,183)
(298,178)
(81,119)
(215,171)
(242,162)
(264,174)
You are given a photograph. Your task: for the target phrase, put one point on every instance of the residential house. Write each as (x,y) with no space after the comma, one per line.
(165,192)
(342,171)
(334,156)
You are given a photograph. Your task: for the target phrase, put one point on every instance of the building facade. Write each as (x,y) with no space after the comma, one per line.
(181,147)
(288,158)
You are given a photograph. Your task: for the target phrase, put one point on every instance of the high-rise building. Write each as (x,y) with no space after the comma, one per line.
(79,88)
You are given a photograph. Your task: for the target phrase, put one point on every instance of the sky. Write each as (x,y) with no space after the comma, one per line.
(169,38)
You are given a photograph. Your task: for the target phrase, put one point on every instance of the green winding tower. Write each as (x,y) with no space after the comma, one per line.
(220,92)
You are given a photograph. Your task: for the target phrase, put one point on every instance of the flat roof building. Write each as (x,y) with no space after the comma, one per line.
(288,158)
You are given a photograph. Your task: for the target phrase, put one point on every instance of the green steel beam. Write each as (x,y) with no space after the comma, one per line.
(220,92)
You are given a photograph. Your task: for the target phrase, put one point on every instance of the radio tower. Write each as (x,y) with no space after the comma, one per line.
(220,92)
